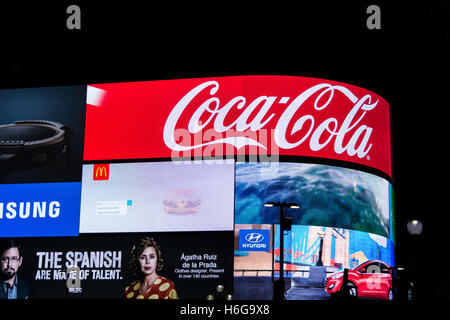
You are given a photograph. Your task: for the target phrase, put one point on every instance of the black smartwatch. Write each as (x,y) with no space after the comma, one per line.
(32,142)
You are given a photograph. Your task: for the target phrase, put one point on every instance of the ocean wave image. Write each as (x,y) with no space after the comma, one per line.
(328,196)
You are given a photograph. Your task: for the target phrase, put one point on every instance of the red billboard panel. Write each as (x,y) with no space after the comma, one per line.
(238,115)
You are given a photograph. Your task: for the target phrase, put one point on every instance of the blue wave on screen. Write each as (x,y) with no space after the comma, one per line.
(329,196)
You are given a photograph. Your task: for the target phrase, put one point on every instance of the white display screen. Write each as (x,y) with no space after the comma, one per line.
(159,196)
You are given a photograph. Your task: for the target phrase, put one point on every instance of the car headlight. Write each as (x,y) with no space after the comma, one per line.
(331,286)
(336,276)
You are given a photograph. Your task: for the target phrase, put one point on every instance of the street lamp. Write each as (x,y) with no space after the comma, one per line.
(414,229)
(278,291)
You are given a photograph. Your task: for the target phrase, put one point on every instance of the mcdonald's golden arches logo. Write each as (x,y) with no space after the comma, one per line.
(101,171)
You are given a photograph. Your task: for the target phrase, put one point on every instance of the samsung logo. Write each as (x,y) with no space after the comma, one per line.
(25,210)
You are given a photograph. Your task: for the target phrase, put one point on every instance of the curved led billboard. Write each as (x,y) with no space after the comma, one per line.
(328,196)
(261,115)
(156,189)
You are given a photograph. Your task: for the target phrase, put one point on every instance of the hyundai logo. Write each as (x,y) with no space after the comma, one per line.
(254,237)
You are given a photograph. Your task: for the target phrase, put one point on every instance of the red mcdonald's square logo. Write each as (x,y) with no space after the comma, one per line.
(101,171)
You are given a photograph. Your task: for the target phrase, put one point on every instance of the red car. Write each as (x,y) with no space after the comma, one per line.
(371,279)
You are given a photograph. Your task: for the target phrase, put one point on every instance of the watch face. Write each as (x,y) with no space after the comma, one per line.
(24,133)
(26,145)
(24,136)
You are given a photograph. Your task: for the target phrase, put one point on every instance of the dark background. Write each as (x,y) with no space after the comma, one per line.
(406,62)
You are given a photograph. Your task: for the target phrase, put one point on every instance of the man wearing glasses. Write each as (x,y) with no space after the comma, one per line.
(11,285)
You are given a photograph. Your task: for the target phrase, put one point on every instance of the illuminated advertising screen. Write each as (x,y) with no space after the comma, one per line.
(100,266)
(40,209)
(259,115)
(315,258)
(41,148)
(157,196)
(328,195)
(171,189)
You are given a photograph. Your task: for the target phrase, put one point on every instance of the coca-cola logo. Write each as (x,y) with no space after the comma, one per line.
(245,118)
(350,135)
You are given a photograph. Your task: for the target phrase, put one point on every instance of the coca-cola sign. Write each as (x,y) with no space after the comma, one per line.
(253,115)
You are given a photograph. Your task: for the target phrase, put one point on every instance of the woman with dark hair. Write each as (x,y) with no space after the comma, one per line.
(146,261)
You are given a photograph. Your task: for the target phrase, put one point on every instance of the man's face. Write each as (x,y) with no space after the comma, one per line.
(11,262)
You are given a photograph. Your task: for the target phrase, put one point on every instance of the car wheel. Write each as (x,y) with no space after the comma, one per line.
(351,290)
(390,295)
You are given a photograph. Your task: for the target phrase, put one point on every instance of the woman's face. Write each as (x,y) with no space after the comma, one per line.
(148,261)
